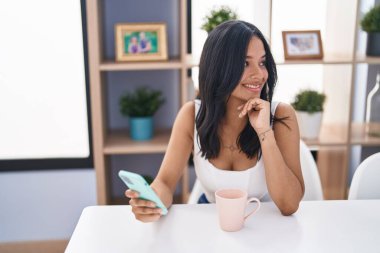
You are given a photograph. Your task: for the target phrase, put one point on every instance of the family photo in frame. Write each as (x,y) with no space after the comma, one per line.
(141,42)
(302,45)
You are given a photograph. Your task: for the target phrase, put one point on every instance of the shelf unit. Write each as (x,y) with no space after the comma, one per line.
(108,142)
(338,133)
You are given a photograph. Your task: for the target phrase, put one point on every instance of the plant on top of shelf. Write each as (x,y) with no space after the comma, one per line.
(217,16)
(140,106)
(371,20)
(309,107)
(309,101)
(371,24)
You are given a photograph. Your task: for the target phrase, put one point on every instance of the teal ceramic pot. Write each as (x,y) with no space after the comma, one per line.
(373,44)
(141,129)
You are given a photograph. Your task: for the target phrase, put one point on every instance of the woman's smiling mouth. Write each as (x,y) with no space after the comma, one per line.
(252,87)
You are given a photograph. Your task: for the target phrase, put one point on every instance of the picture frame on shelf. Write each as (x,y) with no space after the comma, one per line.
(141,42)
(302,45)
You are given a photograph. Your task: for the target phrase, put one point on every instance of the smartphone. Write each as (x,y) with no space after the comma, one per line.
(137,183)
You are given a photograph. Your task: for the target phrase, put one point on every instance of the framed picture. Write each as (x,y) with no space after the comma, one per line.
(141,42)
(302,45)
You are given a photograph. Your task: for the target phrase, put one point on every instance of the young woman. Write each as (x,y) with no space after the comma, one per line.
(238,136)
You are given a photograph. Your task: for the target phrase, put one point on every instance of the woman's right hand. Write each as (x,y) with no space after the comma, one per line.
(144,210)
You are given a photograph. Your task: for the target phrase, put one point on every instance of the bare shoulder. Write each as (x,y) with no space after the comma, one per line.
(187,112)
(285,110)
(185,118)
(286,119)
(189,106)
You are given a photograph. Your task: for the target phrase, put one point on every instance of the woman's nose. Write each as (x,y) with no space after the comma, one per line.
(256,74)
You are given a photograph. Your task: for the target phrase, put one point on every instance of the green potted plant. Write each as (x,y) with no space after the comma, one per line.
(217,16)
(140,106)
(309,107)
(371,24)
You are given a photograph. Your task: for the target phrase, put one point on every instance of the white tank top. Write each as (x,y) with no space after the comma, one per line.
(211,178)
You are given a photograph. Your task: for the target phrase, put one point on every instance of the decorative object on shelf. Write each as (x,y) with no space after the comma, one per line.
(372,117)
(218,16)
(309,107)
(141,42)
(140,106)
(300,45)
(371,24)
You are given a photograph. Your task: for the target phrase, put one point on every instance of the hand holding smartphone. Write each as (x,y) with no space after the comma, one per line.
(137,183)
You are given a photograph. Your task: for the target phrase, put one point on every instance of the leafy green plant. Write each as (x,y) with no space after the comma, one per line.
(218,16)
(143,102)
(309,101)
(371,21)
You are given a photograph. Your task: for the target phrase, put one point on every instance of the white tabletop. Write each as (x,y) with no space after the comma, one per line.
(318,226)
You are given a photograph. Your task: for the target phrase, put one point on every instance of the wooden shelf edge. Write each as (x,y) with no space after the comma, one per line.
(331,135)
(365,144)
(311,62)
(315,144)
(122,66)
(367,59)
(118,142)
(360,137)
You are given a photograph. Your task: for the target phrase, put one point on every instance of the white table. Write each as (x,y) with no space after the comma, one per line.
(318,226)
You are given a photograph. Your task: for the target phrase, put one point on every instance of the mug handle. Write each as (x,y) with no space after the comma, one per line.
(254,210)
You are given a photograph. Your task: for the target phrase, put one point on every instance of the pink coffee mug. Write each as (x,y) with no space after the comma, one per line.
(231,205)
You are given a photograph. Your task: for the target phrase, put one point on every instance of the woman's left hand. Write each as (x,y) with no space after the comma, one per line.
(258,112)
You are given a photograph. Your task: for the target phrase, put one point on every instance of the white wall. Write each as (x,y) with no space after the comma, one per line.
(43,205)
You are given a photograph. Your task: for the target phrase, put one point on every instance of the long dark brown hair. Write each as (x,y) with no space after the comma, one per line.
(220,70)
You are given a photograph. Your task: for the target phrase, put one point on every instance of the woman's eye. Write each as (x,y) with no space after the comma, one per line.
(263,64)
(246,64)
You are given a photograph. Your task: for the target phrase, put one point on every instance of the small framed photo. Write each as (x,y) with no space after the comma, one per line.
(302,45)
(141,42)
